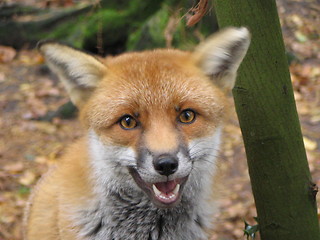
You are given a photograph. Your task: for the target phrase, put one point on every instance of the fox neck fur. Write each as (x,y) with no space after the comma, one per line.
(122,211)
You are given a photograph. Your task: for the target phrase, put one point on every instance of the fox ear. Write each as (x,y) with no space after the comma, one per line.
(221,54)
(79,72)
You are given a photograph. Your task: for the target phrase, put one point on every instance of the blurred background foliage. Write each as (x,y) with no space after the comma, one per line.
(106,26)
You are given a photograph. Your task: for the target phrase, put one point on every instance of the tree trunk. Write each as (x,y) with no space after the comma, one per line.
(282,187)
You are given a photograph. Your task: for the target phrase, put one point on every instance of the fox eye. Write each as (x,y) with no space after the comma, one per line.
(187,116)
(127,122)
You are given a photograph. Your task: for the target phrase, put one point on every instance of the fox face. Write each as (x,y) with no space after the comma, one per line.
(159,109)
(154,118)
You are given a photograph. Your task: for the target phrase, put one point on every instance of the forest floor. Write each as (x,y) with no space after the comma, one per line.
(28,147)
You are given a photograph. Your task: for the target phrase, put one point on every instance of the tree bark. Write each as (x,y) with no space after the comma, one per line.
(282,187)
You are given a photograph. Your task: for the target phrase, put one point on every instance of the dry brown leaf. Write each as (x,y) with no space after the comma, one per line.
(27,178)
(7,54)
(30,58)
(44,127)
(198,12)
(2,77)
(41,159)
(314,119)
(37,107)
(14,167)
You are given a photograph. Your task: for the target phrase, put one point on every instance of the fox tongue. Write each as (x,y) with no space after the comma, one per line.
(166,192)
(166,187)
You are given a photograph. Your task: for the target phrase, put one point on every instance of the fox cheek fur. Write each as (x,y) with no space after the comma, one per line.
(145,168)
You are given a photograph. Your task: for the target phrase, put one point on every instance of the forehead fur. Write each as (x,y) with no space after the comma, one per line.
(152,80)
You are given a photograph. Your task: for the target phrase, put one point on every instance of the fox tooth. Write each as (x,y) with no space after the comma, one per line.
(156,190)
(176,189)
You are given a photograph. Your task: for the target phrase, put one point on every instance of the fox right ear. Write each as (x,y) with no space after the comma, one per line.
(220,55)
(79,72)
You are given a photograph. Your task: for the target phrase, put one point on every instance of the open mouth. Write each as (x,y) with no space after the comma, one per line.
(163,194)
(167,192)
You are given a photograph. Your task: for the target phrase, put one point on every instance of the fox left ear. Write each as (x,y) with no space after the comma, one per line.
(79,71)
(221,54)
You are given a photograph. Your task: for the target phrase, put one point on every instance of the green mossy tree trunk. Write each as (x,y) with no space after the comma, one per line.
(283,190)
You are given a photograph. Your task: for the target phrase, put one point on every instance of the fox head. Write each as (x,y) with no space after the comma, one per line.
(153,116)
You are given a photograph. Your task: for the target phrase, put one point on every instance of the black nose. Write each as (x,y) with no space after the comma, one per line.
(166,165)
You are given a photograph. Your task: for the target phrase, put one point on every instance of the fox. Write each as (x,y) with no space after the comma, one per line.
(146,166)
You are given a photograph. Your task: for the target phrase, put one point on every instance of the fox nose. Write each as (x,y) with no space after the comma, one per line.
(166,165)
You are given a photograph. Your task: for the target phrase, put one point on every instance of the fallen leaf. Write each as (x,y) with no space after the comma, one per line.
(37,107)
(30,58)
(46,127)
(309,144)
(14,167)
(41,159)
(48,92)
(27,178)
(7,54)
(2,77)
(315,118)
(25,87)
(297,20)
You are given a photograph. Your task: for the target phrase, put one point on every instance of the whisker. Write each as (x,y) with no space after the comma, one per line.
(203,152)
(196,144)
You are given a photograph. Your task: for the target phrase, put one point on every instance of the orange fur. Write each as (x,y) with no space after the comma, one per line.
(56,194)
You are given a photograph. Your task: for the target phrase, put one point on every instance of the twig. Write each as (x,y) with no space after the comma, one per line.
(198,12)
